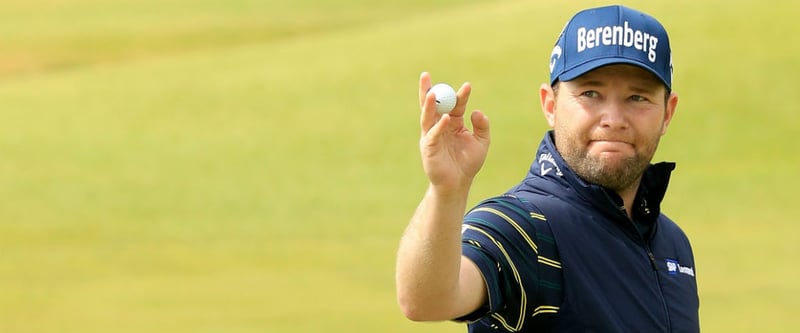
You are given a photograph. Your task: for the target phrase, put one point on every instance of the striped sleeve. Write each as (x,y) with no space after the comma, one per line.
(500,239)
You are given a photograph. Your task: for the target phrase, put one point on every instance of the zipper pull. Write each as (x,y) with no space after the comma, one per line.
(652,260)
(644,208)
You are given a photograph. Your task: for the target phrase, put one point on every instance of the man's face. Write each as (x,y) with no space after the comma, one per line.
(608,123)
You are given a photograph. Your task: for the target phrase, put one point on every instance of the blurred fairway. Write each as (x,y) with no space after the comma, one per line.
(249,166)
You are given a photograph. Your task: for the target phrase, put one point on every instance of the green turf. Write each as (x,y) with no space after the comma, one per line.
(249,166)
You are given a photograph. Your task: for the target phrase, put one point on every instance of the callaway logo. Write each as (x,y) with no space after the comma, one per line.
(545,168)
(673,267)
(554,57)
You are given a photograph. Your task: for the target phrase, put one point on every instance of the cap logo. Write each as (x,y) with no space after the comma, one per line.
(616,35)
(554,57)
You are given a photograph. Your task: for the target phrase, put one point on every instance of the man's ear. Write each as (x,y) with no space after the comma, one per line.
(548,100)
(672,105)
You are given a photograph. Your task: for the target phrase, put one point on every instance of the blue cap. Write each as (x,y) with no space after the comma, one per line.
(611,35)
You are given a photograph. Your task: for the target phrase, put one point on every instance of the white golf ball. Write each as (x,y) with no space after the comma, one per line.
(445,97)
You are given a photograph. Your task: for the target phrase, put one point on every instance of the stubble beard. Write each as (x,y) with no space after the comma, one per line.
(617,175)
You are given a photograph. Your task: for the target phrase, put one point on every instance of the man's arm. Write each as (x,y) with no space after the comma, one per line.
(434,281)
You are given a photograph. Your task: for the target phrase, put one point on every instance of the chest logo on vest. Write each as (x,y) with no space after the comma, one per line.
(673,267)
(545,168)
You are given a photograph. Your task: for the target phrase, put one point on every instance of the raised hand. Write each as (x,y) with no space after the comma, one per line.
(451,154)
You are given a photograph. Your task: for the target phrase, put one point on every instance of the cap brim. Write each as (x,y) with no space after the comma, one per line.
(597,63)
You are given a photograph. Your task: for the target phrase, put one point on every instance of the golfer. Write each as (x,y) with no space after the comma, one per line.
(580,244)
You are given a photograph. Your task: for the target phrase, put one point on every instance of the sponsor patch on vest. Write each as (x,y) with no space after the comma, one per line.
(673,267)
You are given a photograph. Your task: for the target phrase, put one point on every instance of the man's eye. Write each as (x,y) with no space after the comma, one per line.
(639,98)
(590,93)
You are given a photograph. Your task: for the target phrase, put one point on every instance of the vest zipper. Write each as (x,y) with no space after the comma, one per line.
(658,285)
(652,260)
(646,246)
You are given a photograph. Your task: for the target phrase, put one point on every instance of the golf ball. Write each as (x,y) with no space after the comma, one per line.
(445,97)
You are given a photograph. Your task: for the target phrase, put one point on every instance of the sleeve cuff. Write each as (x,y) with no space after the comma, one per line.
(488,269)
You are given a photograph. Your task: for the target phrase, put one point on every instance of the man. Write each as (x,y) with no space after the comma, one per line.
(580,245)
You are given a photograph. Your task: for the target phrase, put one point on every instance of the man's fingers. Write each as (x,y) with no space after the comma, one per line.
(435,133)
(480,126)
(428,117)
(427,103)
(463,98)
(424,86)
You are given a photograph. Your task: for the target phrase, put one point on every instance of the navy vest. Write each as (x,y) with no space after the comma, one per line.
(614,277)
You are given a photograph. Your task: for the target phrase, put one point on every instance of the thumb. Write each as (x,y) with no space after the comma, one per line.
(480,126)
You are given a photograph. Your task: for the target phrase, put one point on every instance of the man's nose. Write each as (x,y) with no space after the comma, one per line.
(614,115)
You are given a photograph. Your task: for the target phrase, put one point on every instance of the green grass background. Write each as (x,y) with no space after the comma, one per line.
(249,166)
